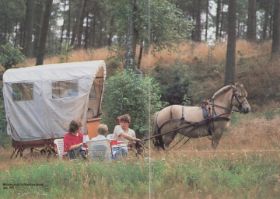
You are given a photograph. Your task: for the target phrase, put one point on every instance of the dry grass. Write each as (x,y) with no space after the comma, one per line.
(251,135)
(186,52)
(77,55)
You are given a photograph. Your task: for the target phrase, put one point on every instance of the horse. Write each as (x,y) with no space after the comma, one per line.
(210,119)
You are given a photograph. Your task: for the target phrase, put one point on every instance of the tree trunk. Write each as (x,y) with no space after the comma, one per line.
(81,23)
(222,20)
(62,27)
(39,7)
(238,33)
(197,17)
(129,56)
(231,44)
(251,22)
(276,29)
(265,24)
(218,16)
(44,32)
(69,21)
(92,32)
(140,55)
(21,34)
(110,34)
(206,22)
(27,48)
(270,26)
(87,32)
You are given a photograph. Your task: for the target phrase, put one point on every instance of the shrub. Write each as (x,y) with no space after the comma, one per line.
(174,84)
(4,139)
(127,92)
(65,53)
(10,56)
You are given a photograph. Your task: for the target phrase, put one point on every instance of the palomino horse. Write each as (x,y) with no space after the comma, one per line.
(210,119)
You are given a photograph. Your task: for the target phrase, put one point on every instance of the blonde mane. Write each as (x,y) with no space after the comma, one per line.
(222,91)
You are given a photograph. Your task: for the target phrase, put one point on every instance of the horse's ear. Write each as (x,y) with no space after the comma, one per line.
(240,85)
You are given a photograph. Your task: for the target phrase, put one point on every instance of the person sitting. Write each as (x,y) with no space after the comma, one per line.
(73,141)
(122,133)
(99,146)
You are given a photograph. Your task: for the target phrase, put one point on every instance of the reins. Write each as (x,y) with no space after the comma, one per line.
(195,124)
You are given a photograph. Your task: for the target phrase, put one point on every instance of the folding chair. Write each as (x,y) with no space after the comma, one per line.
(59,143)
(99,150)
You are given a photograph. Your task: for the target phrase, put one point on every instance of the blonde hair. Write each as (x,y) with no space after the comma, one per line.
(102,129)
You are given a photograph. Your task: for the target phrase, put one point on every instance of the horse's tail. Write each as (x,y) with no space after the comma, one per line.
(158,140)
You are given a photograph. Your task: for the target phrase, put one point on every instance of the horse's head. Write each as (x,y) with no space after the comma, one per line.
(239,99)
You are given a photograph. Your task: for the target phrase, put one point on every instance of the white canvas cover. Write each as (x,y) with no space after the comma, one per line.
(40,101)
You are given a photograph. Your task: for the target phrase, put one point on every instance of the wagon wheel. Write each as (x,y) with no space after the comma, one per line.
(47,151)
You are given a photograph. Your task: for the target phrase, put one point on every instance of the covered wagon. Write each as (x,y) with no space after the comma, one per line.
(40,101)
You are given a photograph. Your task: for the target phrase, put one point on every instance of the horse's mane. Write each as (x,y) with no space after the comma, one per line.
(221,91)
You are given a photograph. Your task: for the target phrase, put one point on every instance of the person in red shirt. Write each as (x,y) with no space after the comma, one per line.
(73,141)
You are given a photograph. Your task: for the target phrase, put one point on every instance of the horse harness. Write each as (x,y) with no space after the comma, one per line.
(209,115)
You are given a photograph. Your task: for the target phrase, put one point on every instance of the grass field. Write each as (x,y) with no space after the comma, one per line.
(245,165)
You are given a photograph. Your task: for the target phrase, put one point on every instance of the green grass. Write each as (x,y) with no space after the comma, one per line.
(251,177)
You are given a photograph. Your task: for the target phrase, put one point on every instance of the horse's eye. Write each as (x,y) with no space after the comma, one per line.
(237,94)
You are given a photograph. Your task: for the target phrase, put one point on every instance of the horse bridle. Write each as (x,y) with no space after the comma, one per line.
(228,110)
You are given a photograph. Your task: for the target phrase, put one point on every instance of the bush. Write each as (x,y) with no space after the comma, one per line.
(4,138)
(174,83)
(10,56)
(127,92)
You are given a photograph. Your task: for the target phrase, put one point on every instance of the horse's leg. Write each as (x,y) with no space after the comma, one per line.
(216,136)
(167,139)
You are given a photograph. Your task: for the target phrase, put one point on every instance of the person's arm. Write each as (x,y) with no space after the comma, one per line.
(128,137)
(75,146)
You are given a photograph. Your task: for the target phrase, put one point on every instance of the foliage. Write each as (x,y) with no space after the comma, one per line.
(11,12)
(175,84)
(113,64)
(165,25)
(4,139)
(271,114)
(127,92)
(10,56)
(65,53)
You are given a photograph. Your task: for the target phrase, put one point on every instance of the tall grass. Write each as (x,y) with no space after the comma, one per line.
(251,177)
(185,52)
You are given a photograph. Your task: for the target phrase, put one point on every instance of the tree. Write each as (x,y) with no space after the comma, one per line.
(231,44)
(251,22)
(207,19)
(266,8)
(196,34)
(130,38)
(43,32)
(28,32)
(10,56)
(218,19)
(127,92)
(11,14)
(175,84)
(276,30)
